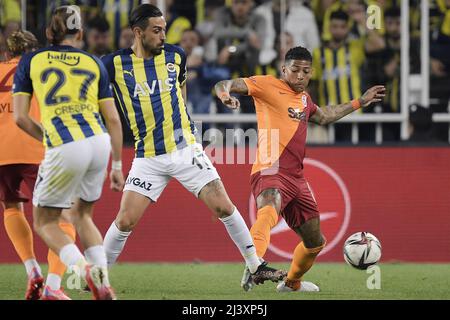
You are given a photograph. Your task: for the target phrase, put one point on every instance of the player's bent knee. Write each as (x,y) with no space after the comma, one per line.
(223,211)
(125,221)
(317,242)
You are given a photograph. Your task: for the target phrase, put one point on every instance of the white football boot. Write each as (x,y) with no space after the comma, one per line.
(305,286)
(247,282)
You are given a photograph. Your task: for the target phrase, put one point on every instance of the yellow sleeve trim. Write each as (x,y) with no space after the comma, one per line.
(21,94)
(105,99)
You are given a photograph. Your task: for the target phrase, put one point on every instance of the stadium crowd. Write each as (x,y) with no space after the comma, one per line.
(240,38)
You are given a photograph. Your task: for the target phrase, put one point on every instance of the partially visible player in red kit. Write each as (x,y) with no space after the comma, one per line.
(283,109)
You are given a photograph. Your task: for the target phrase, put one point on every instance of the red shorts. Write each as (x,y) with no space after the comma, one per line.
(11,176)
(297,202)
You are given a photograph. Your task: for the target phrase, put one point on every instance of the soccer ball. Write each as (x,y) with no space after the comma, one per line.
(361,250)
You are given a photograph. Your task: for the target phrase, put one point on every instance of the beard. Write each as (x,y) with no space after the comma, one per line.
(154,51)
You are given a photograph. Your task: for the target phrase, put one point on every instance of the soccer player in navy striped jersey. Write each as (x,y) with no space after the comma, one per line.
(73,90)
(149,85)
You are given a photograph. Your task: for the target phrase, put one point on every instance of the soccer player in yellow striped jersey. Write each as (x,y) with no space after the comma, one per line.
(149,85)
(72,89)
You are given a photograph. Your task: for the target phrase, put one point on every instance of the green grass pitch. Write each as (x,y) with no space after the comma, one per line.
(222,281)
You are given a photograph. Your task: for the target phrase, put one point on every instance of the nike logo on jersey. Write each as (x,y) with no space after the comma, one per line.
(138,183)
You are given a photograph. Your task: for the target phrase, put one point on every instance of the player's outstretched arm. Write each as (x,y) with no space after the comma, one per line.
(21,105)
(114,126)
(330,114)
(225,87)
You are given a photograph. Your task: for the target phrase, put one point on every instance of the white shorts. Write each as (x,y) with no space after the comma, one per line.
(73,170)
(190,166)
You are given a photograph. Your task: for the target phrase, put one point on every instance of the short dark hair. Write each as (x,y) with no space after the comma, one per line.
(339,15)
(139,16)
(298,53)
(98,23)
(393,12)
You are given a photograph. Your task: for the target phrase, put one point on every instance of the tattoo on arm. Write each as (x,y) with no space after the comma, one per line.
(231,86)
(329,114)
(238,86)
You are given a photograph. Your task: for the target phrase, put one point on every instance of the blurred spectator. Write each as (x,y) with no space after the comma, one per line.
(10,17)
(337,66)
(440,65)
(420,124)
(206,14)
(356,10)
(98,36)
(319,7)
(206,21)
(238,36)
(237,40)
(336,6)
(288,40)
(199,98)
(176,24)
(201,75)
(440,46)
(117,13)
(3,48)
(383,67)
(299,22)
(126,38)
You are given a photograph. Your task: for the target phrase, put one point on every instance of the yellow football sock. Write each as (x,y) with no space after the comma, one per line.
(301,262)
(266,219)
(19,232)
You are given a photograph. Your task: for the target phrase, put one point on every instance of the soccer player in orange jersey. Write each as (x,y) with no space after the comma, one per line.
(20,156)
(283,109)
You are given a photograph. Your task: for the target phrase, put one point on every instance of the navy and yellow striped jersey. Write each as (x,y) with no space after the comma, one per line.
(338,72)
(149,94)
(68,84)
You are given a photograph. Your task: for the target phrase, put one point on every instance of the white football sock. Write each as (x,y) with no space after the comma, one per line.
(30,264)
(96,255)
(114,242)
(71,256)
(238,231)
(53,281)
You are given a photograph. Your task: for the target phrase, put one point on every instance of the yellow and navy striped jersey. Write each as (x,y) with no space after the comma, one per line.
(68,84)
(149,94)
(338,72)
